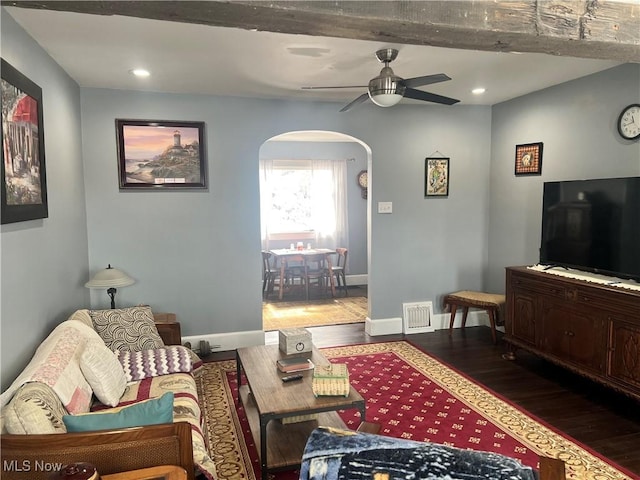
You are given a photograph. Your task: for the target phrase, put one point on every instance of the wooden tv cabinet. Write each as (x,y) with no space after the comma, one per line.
(589,328)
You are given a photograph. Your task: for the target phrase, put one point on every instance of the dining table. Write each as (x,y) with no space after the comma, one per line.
(284,255)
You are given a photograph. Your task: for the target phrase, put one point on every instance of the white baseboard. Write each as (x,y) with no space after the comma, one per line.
(358,279)
(474,319)
(390,326)
(222,342)
(383,326)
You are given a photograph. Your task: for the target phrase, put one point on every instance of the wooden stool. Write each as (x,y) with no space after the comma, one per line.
(491,302)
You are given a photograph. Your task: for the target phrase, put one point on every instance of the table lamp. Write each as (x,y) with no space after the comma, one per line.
(110,278)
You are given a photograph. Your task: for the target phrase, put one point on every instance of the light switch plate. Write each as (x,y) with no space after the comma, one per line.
(385,207)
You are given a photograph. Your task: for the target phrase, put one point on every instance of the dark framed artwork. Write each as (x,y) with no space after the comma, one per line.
(529,159)
(24,179)
(161,154)
(436,177)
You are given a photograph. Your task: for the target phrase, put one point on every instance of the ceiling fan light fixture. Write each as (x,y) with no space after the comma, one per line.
(386,90)
(385,99)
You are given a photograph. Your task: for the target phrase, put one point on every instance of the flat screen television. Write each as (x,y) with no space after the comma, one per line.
(593,225)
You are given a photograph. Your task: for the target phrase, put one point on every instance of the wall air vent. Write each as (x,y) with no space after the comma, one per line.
(417,317)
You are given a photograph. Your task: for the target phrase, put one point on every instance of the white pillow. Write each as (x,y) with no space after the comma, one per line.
(103,372)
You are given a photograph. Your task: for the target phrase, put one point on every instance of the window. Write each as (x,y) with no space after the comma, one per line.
(303,200)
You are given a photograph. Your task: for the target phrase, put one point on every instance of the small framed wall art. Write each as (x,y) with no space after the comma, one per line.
(436,177)
(161,154)
(529,159)
(24,183)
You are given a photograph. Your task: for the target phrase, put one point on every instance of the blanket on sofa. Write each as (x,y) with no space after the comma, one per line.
(185,409)
(56,363)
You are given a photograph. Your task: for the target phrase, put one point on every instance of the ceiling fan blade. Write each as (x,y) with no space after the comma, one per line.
(357,101)
(426,80)
(428,97)
(344,86)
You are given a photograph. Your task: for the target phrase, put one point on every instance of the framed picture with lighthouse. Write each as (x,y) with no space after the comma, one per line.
(154,154)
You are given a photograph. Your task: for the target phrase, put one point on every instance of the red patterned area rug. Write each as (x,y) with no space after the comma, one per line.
(411,395)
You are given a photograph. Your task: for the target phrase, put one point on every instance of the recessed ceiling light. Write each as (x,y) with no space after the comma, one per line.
(478,91)
(139,72)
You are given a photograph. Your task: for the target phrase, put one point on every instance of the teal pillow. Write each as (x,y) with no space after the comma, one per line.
(148,412)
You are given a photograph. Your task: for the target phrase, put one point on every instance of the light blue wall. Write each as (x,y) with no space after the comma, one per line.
(198,253)
(428,246)
(576,121)
(44,262)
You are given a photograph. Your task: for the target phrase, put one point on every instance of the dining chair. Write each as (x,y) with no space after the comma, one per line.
(315,269)
(269,274)
(338,270)
(294,272)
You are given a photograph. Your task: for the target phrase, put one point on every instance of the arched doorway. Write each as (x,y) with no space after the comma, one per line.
(296,149)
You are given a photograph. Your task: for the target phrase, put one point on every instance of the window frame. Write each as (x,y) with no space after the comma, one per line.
(292,235)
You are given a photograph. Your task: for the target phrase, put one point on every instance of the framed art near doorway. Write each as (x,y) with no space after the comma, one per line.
(23,183)
(436,177)
(155,154)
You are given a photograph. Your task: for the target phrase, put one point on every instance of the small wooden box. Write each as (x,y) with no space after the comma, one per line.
(295,340)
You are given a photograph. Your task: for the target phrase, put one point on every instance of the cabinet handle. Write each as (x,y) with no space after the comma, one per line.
(570,334)
(571,295)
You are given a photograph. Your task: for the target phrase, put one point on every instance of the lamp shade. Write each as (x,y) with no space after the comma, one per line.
(110,278)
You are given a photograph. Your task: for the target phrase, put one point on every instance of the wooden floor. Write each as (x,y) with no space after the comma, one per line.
(606,422)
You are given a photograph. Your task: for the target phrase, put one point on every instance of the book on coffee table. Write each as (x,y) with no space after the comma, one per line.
(294,364)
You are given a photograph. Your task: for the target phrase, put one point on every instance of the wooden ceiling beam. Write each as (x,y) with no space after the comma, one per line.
(577,28)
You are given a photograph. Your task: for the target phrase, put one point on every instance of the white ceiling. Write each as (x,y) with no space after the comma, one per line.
(99,51)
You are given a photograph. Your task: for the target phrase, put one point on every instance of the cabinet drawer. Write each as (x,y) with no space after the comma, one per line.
(548,289)
(611,301)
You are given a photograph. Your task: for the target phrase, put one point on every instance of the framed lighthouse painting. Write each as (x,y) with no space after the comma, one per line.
(161,154)
(23,186)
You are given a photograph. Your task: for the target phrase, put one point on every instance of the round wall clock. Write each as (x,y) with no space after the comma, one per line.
(629,122)
(363,182)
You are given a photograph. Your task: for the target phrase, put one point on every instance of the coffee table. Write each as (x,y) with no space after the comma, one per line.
(267,400)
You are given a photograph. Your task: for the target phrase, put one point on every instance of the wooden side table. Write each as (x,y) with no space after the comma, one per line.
(163,472)
(168,328)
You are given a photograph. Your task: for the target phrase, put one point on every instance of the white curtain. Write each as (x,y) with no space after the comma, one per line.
(328,196)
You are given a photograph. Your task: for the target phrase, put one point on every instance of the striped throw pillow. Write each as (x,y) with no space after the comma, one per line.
(155,362)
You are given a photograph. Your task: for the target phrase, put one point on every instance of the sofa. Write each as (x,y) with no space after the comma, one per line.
(102,373)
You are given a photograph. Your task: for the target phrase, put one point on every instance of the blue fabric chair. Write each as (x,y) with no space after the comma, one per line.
(332,454)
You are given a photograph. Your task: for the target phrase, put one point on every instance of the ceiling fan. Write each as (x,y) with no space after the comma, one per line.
(387,89)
